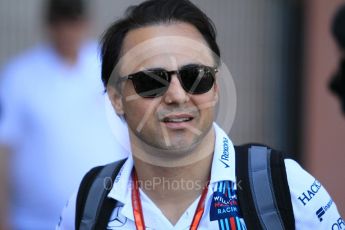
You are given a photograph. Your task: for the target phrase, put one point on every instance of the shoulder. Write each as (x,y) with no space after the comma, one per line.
(312,205)
(25,64)
(29,56)
(90,53)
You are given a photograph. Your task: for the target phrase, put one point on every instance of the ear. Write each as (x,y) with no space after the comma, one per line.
(116,100)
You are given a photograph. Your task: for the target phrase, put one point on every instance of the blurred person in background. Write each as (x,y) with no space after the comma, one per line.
(337,84)
(53,126)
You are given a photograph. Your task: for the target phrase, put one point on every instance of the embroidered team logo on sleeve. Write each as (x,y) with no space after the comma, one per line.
(225,208)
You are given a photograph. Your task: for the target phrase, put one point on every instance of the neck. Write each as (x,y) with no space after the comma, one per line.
(171,183)
(173,189)
(68,54)
(183,183)
(69,57)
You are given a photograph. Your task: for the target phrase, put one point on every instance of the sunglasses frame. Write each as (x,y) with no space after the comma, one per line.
(167,81)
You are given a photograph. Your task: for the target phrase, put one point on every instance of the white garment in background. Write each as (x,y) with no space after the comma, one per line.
(53,117)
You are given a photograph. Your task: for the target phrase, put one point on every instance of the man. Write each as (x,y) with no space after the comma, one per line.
(53,125)
(161,70)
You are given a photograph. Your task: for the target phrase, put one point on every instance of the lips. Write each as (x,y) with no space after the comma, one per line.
(177,121)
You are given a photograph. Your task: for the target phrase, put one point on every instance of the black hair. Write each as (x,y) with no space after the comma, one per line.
(338,27)
(64,10)
(149,13)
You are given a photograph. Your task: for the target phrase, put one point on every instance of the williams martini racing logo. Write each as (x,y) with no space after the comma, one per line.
(225,208)
(224,202)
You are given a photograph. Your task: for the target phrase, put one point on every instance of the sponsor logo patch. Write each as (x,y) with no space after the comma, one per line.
(322,211)
(339,225)
(308,195)
(225,154)
(223,206)
(225,164)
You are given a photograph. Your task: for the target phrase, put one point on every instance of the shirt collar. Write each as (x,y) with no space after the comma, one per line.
(223,163)
(223,169)
(122,188)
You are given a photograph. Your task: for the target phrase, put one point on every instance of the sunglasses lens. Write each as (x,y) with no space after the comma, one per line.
(197,79)
(150,84)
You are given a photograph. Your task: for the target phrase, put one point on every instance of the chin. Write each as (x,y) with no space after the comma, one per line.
(181,146)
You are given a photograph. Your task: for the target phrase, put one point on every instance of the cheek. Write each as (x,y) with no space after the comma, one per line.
(132,105)
(132,115)
(206,104)
(206,101)
(133,110)
(128,91)
(140,111)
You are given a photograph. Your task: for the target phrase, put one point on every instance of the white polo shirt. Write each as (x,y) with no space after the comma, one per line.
(221,199)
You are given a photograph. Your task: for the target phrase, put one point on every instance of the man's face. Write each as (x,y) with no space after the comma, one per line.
(176,120)
(68,35)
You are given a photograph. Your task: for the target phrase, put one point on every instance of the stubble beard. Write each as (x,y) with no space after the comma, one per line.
(150,146)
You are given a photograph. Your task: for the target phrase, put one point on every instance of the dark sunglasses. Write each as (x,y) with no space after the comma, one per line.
(194,79)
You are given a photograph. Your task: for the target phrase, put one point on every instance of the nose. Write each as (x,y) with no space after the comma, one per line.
(175,93)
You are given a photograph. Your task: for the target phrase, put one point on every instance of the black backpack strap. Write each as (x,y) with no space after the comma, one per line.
(93,209)
(83,191)
(281,188)
(263,190)
(244,193)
